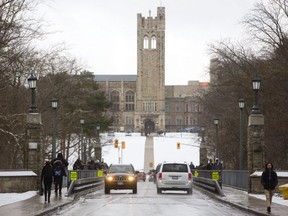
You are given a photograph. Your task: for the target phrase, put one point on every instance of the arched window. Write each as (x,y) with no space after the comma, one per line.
(146,42)
(115,99)
(129,101)
(153,42)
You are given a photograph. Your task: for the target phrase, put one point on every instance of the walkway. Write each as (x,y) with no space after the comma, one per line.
(149,154)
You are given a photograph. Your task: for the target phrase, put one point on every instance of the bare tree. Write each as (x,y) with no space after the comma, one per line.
(267,26)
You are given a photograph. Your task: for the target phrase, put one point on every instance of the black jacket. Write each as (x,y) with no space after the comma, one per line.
(269,179)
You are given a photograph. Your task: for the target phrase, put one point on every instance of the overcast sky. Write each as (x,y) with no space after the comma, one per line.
(102,33)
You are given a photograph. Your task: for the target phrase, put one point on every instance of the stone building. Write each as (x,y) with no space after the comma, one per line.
(143,102)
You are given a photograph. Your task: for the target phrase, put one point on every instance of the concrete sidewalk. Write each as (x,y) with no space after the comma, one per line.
(243,200)
(36,205)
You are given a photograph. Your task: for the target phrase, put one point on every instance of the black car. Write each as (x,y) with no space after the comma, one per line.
(119,177)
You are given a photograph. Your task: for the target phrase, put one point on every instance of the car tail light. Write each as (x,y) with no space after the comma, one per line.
(189,176)
(160,176)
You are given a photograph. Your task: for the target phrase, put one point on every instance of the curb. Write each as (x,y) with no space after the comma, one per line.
(215,196)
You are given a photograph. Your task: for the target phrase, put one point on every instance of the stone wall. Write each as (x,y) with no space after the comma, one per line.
(257,188)
(17,181)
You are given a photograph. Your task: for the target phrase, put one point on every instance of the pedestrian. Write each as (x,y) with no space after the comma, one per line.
(209,166)
(47,177)
(269,180)
(59,164)
(78,165)
(217,165)
(192,166)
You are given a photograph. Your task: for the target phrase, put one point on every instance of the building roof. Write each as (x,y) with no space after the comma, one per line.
(115,78)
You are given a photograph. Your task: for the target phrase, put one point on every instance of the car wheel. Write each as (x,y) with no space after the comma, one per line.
(189,191)
(135,190)
(159,191)
(107,190)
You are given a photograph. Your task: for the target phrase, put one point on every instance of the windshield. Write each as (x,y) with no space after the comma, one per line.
(121,169)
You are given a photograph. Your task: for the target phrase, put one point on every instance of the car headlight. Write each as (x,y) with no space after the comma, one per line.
(109,178)
(131,178)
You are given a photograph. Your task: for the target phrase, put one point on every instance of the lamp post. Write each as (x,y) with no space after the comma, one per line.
(82,121)
(216,122)
(241,103)
(202,134)
(32,82)
(54,103)
(256,86)
(98,146)
(203,148)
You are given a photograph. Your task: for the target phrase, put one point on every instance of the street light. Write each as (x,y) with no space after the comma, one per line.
(98,149)
(256,86)
(54,103)
(216,122)
(202,133)
(241,103)
(82,121)
(32,82)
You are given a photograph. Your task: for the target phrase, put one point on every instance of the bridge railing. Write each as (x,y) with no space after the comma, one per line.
(236,179)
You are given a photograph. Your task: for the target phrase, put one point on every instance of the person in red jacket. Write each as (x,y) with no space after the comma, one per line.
(269,180)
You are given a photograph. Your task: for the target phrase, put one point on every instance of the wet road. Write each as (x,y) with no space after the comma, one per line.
(148,202)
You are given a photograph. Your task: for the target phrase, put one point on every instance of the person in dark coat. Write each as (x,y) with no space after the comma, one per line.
(78,165)
(269,180)
(209,166)
(61,158)
(192,166)
(47,175)
(217,165)
(59,164)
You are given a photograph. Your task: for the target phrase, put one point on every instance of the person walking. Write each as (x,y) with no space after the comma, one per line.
(217,165)
(192,166)
(269,180)
(209,166)
(47,175)
(59,164)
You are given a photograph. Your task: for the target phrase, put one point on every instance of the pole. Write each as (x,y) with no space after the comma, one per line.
(217,143)
(121,155)
(81,143)
(241,141)
(119,159)
(54,135)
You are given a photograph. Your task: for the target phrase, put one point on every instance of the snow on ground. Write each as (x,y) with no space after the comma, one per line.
(276,199)
(164,150)
(8,198)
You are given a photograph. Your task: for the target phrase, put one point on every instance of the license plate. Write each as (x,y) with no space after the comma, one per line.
(120,183)
(174,177)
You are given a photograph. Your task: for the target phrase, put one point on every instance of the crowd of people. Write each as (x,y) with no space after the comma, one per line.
(91,165)
(217,165)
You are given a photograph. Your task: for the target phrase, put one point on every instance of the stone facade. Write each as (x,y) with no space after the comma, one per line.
(17,181)
(256,146)
(34,152)
(142,102)
(257,188)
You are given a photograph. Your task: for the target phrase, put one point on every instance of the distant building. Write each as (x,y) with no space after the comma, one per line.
(142,102)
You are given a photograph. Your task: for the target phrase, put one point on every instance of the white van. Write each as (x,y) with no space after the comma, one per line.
(174,176)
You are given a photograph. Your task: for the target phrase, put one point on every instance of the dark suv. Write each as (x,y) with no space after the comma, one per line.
(121,176)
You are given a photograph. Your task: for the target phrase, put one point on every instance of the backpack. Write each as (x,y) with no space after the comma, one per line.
(58,171)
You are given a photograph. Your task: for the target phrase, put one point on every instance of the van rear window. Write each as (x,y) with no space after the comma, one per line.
(175,168)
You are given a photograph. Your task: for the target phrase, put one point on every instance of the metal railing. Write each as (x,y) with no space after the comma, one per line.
(236,179)
(79,180)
